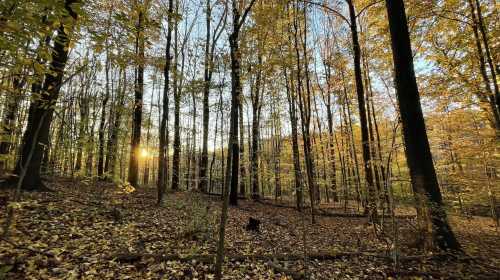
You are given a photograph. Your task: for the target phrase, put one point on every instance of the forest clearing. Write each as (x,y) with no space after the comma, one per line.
(249,139)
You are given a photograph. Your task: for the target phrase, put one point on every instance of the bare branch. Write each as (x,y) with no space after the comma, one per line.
(330,9)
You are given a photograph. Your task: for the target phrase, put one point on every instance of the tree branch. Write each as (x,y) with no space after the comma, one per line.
(245,14)
(330,9)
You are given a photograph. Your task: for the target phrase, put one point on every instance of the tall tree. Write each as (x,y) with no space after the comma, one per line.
(371,209)
(176,157)
(210,43)
(431,213)
(163,146)
(256,96)
(112,145)
(133,169)
(42,105)
(232,168)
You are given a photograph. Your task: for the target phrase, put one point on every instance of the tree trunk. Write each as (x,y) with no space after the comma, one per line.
(256,109)
(163,147)
(44,105)
(418,153)
(489,59)
(231,179)
(304,100)
(331,136)
(490,95)
(10,113)
(112,145)
(371,208)
(242,191)
(299,197)
(133,171)
(206,109)
(100,155)
(176,158)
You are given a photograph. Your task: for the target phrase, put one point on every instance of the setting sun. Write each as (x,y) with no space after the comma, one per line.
(144,153)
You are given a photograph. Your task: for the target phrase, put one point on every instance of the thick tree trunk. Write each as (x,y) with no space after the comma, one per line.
(44,106)
(418,154)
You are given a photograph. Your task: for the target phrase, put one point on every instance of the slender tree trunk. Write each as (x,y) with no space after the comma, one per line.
(206,109)
(331,136)
(490,95)
(10,114)
(176,158)
(489,59)
(146,176)
(292,108)
(163,147)
(236,89)
(112,145)
(133,169)
(243,172)
(231,179)
(304,100)
(100,155)
(256,109)
(371,209)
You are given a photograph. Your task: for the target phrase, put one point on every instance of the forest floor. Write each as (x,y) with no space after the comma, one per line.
(86,230)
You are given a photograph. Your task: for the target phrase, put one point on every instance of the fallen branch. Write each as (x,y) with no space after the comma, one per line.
(279,269)
(325,213)
(320,256)
(409,273)
(131,257)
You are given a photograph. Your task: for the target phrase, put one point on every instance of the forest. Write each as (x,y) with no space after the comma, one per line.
(249,139)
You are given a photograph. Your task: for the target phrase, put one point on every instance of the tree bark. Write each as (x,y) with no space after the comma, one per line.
(371,208)
(100,155)
(44,105)
(490,95)
(256,112)
(112,145)
(292,108)
(133,171)
(418,154)
(163,146)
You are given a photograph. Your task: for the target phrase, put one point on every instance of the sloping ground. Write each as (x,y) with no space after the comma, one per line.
(99,231)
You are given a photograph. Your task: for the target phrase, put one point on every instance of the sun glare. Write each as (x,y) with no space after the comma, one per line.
(144,153)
